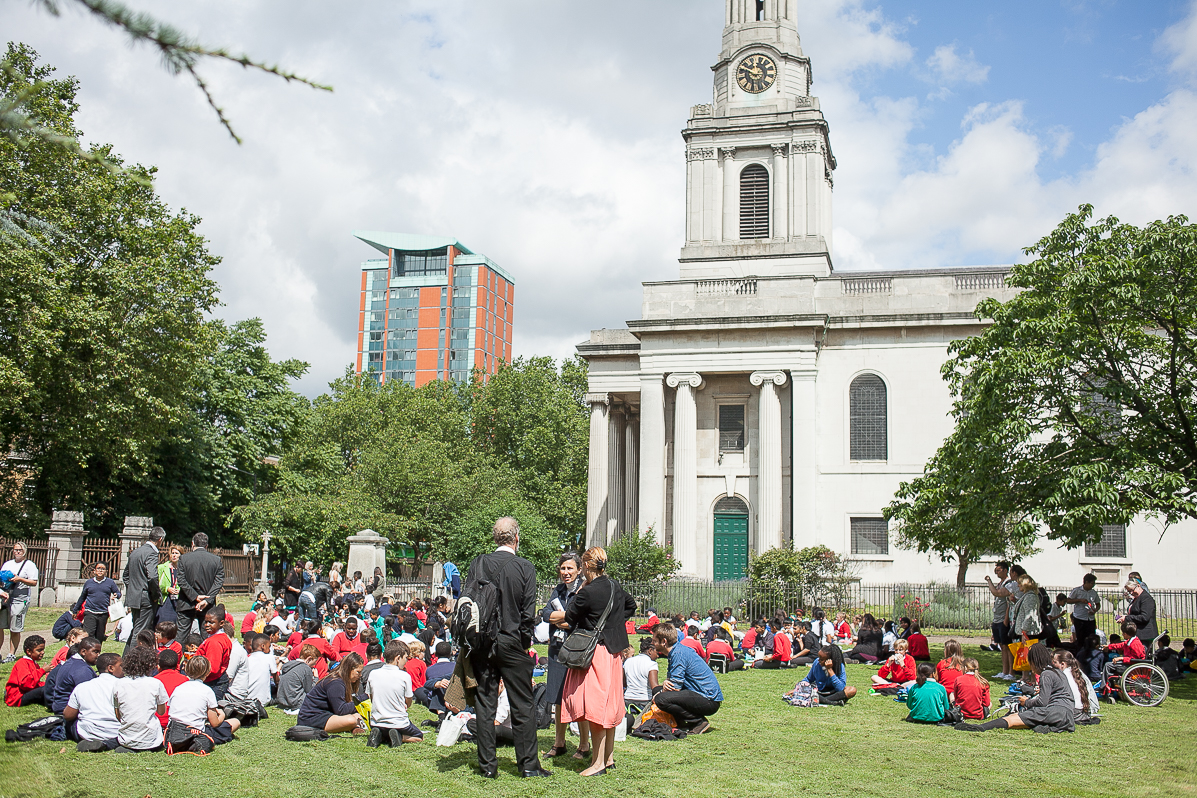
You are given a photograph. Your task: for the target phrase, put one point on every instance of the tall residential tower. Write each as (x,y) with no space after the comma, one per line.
(431,310)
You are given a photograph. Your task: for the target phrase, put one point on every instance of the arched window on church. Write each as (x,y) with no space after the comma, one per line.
(754,202)
(868,418)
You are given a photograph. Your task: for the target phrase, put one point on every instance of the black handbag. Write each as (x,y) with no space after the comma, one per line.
(578,649)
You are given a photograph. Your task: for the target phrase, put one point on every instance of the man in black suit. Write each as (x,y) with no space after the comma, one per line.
(507,658)
(142,593)
(201,577)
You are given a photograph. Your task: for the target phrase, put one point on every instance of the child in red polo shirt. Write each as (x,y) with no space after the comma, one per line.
(169,675)
(216,649)
(918,644)
(347,640)
(315,639)
(971,692)
(899,668)
(165,634)
(951,667)
(27,680)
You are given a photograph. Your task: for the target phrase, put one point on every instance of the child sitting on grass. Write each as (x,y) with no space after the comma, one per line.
(390,691)
(165,634)
(927,699)
(26,683)
(138,699)
(217,649)
(948,669)
(329,705)
(971,692)
(90,719)
(296,679)
(193,704)
(416,666)
(171,677)
(261,669)
(918,644)
(898,669)
(72,638)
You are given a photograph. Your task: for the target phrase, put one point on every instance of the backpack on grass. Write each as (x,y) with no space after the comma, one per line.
(305,734)
(184,739)
(804,695)
(544,711)
(42,727)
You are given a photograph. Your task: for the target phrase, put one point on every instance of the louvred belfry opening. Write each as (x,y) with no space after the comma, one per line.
(754,202)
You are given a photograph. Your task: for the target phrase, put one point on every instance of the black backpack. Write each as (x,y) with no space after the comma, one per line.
(305,734)
(183,739)
(476,617)
(42,727)
(544,710)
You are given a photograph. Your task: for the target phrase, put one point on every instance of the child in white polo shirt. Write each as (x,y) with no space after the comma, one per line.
(390,696)
(138,699)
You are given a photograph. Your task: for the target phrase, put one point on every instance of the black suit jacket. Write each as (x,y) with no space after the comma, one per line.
(516,580)
(1142,612)
(200,573)
(588,608)
(141,578)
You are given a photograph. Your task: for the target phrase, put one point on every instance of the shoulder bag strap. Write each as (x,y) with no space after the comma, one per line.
(610,601)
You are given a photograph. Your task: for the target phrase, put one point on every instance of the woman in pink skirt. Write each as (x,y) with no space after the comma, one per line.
(595,695)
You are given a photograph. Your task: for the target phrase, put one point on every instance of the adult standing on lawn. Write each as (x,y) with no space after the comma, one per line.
(168,583)
(1141,611)
(141,586)
(293,586)
(13,613)
(569,571)
(201,577)
(1085,604)
(507,657)
(1026,624)
(1003,591)
(94,598)
(595,695)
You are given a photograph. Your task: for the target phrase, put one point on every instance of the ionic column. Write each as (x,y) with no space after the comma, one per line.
(631,475)
(768,532)
(596,491)
(685,471)
(803,466)
(730,228)
(615,462)
(652,456)
(780,193)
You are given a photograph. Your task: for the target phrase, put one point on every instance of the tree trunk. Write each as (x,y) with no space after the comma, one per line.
(961,569)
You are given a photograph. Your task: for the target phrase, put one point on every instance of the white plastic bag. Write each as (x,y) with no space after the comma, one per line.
(451,728)
(116,609)
(621,730)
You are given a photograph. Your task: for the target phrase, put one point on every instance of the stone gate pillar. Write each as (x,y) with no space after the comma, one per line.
(65,556)
(133,536)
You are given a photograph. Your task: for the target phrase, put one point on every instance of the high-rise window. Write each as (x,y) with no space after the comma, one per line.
(1112,543)
(754,202)
(870,536)
(429,261)
(869,418)
(731,428)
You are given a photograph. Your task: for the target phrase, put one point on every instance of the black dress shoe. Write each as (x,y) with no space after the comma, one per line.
(538,773)
(489,774)
(375,738)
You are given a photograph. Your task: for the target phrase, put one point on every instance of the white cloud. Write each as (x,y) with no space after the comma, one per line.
(949,67)
(1180,42)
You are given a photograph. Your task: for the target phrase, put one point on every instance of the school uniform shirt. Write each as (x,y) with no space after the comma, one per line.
(389,689)
(72,673)
(343,644)
(972,696)
(259,675)
(899,671)
(326,654)
(190,702)
(175,646)
(687,671)
(408,638)
(749,641)
(416,669)
(720,647)
(26,675)
(170,680)
(59,657)
(946,675)
(695,646)
(888,640)
(636,670)
(93,700)
(918,646)
(927,701)
(238,677)
(247,623)
(138,698)
(781,647)
(217,648)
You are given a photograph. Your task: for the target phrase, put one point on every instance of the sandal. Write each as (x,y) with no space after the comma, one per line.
(555,751)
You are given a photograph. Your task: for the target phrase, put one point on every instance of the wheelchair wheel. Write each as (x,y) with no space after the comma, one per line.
(1144,685)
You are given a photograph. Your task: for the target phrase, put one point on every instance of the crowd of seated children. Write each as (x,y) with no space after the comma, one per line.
(868,641)
(27,682)
(830,677)
(193,704)
(296,678)
(89,714)
(926,699)
(1049,710)
(170,676)
(391,693)
(1084,697)
(950,668)
(309,635)
(898,669)
(971,692)
(329,705)
(778,648)
(722,644)
(138,700)
(919,649)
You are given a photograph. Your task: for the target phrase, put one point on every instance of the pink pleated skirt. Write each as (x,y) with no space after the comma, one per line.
(595,694)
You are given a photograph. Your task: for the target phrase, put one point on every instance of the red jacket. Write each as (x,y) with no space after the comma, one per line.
(899,673)
(342,645)
(946,675)
(416,669)
(648,625)
(1132,648)
(691,642)
(918,646)
(721,647)
(26,675)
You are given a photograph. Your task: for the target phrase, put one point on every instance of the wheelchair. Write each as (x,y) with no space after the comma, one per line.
(1142,682)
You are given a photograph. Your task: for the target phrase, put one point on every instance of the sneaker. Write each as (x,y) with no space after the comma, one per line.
(90,746)
(375,738)
(10,658)
(702,727)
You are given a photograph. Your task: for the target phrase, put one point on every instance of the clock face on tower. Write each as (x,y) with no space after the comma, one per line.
(756,73)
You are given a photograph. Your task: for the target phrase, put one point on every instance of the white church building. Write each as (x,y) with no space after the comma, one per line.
(763,397)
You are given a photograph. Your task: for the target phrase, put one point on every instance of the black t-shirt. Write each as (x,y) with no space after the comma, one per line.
(810,641)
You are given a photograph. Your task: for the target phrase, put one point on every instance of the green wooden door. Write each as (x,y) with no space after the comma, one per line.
(731,546)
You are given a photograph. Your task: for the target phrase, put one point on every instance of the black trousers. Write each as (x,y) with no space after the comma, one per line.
(687,707)
(96,625)
(1083,629)
(143,619)
(509,661)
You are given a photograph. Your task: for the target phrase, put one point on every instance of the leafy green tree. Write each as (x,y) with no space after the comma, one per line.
(787,579)
(637,558)
(1075,407)
(101,327)
(530,416)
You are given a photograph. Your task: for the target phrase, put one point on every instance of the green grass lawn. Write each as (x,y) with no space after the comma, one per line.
(758,745)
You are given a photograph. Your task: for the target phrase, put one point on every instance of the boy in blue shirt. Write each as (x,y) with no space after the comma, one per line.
(691,692)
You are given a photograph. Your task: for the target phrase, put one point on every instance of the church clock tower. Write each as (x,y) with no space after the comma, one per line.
(759,161)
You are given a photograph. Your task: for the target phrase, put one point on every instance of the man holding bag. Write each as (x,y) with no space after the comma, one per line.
(141,582)
(95,600)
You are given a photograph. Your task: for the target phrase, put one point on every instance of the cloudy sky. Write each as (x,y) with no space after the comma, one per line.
(545,134)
